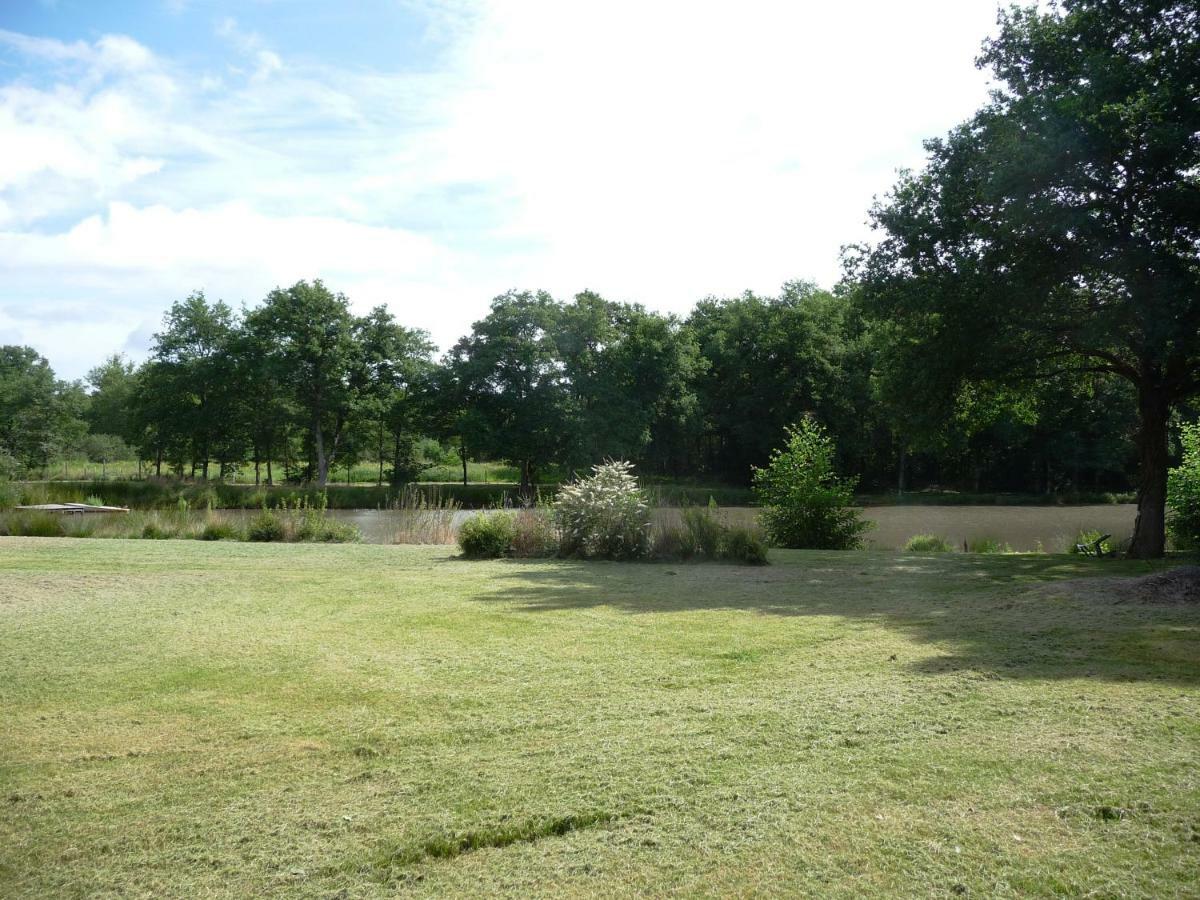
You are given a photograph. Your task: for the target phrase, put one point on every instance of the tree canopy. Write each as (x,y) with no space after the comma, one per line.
(1058,230)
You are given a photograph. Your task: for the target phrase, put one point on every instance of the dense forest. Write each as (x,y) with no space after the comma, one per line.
(299,385)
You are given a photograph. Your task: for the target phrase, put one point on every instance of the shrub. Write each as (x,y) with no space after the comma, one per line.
(702,532)
(487,535)
(94,500)
(928,543)
(744,545)
(217,530)
(152,531)
(316,527)
(670,542)
(988,545)
(533,535)
(266,526)
(1183,492)
(605,516)
(805,504)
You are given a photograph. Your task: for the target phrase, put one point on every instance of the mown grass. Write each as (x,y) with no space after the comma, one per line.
(186,719)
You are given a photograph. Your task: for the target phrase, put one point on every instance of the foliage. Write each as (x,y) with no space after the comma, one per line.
(1058,230)
(40,416)
(744,545)
(31,524)
(218,530)
(266,526)
(928,543)
(769,361)
(604,516)
(804,503)
(702,532)
(1183,491)
(487,535)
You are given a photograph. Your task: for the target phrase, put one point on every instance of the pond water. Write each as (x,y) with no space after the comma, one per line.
(1022,527)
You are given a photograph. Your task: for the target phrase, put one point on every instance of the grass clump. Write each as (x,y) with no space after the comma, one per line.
(32,524)
(928,543)
(487,535)
(266,527)
(988,545)
(701,535)
(534,535)
(219,530)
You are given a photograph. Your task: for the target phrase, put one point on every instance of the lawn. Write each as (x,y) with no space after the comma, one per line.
(183,718)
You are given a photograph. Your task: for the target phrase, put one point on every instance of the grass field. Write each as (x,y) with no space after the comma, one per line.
(186,719)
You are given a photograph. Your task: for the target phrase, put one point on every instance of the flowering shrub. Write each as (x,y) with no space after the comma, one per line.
(605,516)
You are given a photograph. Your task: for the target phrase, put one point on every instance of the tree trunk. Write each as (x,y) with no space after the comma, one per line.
(902,467)
(462,453)
(1149,531)
(319,447)
(526,489)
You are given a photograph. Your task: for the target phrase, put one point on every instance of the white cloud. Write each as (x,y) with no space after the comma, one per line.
(654,152)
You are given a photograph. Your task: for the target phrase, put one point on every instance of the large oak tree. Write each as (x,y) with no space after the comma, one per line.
(1058,230)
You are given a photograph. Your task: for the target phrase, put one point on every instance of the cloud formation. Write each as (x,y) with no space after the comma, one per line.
(652,152)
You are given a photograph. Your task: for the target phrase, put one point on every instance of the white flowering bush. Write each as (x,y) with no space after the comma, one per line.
(605,516)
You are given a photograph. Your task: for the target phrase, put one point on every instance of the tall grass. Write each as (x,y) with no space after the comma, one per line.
(425,517)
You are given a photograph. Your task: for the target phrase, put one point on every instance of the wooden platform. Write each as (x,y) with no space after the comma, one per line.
(74,508)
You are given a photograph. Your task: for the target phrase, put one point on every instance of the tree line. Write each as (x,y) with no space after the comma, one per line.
(303,383)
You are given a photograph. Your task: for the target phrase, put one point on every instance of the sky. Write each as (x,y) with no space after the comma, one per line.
(432,155)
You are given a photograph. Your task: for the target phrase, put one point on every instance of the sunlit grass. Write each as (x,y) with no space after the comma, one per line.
(184,718)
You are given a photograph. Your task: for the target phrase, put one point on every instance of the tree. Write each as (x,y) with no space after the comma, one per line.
(629,374)
(310,334)
(1058,230)
(511,379)
(770,361)
(109,402)
(40,416)
(191,367)
(805,504)
(394,363)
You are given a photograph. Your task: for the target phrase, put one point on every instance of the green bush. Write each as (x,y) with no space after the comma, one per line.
(265,527)
(744,545)
(217,530)
(487,535)
(928,543)
(805,504)
(702,532)
(1183,492)
(316,527)
(605,516)
(152,531)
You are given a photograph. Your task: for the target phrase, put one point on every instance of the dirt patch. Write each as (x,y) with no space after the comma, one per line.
(1174,586)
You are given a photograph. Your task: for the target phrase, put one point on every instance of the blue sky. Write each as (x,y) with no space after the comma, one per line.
(432,155)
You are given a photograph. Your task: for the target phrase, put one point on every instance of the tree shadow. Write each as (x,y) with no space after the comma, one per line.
(1047,617)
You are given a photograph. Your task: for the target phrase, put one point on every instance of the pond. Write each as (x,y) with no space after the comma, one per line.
(1022,527)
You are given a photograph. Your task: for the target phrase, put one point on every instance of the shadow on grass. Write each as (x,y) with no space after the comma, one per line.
(1011,616)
